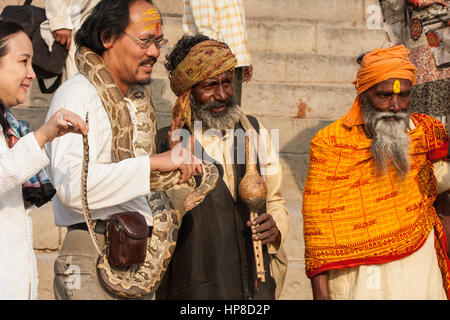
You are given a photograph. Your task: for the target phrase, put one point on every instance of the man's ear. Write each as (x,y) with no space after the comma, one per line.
(107,41)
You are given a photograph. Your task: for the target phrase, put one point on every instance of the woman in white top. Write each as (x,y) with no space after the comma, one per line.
(20,159)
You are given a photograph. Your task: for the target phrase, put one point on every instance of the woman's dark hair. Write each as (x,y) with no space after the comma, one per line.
(7,29)
(181,49)
(107,20)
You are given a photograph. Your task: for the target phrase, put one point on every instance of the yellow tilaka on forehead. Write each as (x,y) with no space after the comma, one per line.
(152,16)
(397,86)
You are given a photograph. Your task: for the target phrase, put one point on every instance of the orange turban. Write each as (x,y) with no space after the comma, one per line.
(379,65)
(205,60)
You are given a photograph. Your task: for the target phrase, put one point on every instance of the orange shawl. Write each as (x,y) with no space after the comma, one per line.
(354,217)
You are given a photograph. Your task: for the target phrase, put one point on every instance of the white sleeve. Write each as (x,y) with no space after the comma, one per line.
(20,162)
(108,184)
(442,173)
(203,13)
(58,13)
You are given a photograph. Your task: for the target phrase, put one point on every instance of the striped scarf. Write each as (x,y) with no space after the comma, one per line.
(37,190)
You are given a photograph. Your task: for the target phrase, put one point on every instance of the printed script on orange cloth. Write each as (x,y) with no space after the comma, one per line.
(352,216)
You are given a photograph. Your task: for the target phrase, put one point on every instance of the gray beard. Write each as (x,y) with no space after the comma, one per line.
(390,140)
(224,120)
(144,82)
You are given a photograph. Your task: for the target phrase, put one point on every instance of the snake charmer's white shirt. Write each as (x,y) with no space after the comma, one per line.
(18,269)
(112,187)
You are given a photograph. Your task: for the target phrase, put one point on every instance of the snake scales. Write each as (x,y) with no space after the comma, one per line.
(142,280)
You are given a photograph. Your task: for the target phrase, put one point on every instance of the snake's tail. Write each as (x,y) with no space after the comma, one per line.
(84,202)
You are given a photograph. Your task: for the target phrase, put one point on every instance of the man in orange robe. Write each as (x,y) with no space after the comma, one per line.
(370,228)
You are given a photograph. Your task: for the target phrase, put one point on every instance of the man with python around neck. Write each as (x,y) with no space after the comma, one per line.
(128,36)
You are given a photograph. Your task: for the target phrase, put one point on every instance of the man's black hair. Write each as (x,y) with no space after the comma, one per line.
(107,20)
(181,49)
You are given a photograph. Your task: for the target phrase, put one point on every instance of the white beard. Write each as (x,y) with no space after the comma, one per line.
(390,141)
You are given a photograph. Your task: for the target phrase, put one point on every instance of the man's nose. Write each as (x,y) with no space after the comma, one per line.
(220,93)
(395,105)
(153,51)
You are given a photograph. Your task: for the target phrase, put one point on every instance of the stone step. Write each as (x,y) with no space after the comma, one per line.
(295,169)
(301,68)
(45,265)
(298,36)
(292,67)
(297,285)
(312,36)
(348,41)
(46,235)
(294,135)
(327,10)
(285,100)
(303,101)
(35,116)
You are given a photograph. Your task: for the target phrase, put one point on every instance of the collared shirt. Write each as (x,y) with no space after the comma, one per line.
(222,20)
(113,187)
(220,147)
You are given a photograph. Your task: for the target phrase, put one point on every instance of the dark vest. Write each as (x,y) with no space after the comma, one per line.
(214,257)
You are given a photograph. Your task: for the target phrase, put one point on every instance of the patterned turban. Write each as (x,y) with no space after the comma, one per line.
(379,65)
(205,60)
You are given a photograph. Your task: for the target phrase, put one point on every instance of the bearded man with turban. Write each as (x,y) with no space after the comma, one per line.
(370,228)
(214,256)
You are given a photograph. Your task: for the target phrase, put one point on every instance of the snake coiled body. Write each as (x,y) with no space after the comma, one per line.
(142,280)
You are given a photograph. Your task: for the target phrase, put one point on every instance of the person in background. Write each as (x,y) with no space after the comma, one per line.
(21,159)
(65,17)
(222,20)
(422,26)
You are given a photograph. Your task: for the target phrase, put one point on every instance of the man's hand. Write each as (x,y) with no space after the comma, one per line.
(172,139)
(264,228)
(63,36)
(178,158)
(319,285)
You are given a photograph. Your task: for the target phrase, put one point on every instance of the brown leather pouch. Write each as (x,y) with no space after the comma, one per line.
(127,235)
